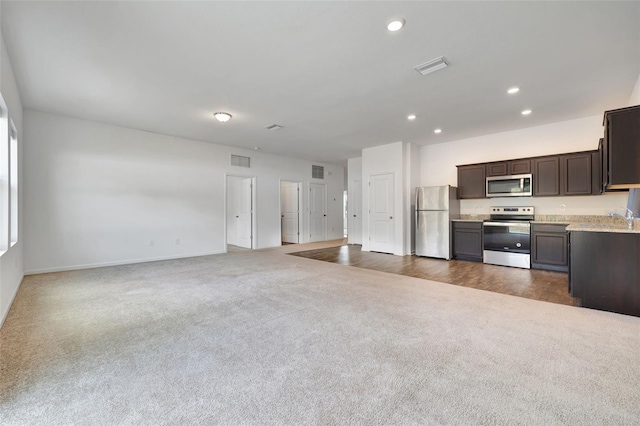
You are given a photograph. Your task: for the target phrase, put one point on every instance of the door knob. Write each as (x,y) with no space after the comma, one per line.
(325,215)
(390,217)
(354,215)
(237,216)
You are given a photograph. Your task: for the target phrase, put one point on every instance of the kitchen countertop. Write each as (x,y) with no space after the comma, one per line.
(597,227)
(574,223)
(551,222)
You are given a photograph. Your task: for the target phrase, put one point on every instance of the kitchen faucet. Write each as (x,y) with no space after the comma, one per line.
(628,217)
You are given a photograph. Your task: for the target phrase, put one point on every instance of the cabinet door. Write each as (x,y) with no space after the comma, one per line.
(605,271)
(497,169)
(596,173)
(467,241)
(519,167)
(575,171)
(471,181)
(622,134)
(549,250)
(546,176)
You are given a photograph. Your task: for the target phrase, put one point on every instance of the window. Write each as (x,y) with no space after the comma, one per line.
(4,176)
(13,182)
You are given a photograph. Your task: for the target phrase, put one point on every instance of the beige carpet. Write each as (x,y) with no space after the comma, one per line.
(258,337)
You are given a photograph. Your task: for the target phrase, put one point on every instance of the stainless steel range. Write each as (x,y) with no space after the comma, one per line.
(507,237)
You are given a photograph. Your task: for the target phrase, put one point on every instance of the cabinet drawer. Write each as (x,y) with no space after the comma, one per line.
(549,227)
(467,225)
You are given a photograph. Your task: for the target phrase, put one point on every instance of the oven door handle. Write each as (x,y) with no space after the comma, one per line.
(508,224)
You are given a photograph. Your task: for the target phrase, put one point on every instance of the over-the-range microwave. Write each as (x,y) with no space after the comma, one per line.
(509,186)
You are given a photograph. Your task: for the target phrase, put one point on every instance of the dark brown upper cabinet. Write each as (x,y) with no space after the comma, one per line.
(576,174)
(621,148)
(546,176)
(471,181)
(513,167)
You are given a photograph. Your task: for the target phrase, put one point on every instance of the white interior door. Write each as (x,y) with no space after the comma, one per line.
(245,213)
(232,209)
(355,201)
(317,212)
(381,220)
(289,211)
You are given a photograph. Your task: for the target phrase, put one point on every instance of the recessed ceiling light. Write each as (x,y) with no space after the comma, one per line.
(411,117)
(396,24)
(437,131)
(274,127)
(222,117)
(513,90)
(526,112)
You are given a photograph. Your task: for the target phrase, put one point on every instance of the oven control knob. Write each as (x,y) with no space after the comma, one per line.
(518,245)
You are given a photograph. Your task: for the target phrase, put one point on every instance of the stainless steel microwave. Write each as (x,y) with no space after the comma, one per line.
(509,186)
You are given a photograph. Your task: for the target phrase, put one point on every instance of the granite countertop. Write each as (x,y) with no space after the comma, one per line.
(573,222)
(551,222)
(598,227)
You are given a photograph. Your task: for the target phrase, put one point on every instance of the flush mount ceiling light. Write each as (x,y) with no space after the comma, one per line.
(222,117)
(513,90)
(395,24)
(274,127)
(411,117)
(526,112)
(431,66)
(436,131)
(256,148)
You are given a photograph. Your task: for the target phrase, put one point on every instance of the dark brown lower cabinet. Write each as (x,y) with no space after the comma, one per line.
(467,241)
(549,247)
(605,272)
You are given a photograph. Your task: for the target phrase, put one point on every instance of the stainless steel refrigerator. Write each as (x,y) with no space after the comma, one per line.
(435,207)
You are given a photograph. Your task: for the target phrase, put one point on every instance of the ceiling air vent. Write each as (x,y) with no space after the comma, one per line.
(317,172)
(274,127)
(240,161)
(432,66)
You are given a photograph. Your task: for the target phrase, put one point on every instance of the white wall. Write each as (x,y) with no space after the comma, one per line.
(403,160)
(439,164)
(96,194)
(412,180)
(11,262)
(635,95)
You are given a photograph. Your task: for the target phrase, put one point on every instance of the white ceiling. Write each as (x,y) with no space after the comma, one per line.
(329,72)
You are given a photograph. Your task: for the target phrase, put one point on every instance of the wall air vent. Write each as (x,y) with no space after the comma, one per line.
(432,66)
(274,127)
(317,172)
(240,161)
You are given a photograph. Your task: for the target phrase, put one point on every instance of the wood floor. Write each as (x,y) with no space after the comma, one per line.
(530,283)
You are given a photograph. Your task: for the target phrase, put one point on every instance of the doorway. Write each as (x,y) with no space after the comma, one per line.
(317,212)
(290,212)
(239,212)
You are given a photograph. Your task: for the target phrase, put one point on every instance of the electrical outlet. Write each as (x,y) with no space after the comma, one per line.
(151,243)
(177,241)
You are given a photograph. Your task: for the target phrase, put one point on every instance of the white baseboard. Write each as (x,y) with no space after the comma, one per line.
(116,263)
(13,297)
